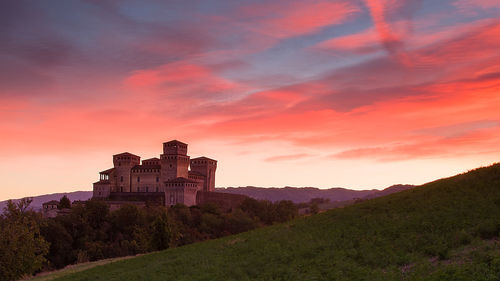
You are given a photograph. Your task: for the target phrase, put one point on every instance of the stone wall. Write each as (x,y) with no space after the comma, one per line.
(149,198)
(225,201)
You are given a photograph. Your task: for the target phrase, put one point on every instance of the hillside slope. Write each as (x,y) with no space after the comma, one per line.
(443,230)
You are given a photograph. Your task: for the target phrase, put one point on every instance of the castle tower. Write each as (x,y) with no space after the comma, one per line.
(206,167)
(174,160)
(123,163)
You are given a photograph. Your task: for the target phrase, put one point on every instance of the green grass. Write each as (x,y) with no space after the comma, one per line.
(444,230)
(46,276)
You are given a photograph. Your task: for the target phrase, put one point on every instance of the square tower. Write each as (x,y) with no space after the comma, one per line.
(123,163)
(174,160)
(175,147)
(206,167)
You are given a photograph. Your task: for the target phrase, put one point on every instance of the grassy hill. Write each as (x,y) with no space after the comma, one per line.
(444,230)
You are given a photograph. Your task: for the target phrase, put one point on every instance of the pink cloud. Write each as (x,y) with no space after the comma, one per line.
(475,142)
(290,157)
(287,19)
(471,6)
(363,42)
(393,23)
(183,80)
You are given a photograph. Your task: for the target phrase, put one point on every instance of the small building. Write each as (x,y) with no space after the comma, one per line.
(49,209)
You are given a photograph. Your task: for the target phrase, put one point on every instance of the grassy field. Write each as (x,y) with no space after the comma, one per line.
(445,230)
(45,276)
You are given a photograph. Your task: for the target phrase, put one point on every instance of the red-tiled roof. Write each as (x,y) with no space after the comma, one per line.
(150,159)
(102,181)
(203,158)
(126,154)
(107,171)
(175,141)
(52,202)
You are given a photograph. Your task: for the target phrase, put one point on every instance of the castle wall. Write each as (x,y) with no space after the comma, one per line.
(146,179)
(181,191)
(205,167)
(174,166)
(168,176)
(150,198)
(226,201)
(123,164)
(101,190)
(174,196)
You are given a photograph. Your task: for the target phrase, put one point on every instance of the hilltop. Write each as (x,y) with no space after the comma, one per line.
(305,194)
(444,230)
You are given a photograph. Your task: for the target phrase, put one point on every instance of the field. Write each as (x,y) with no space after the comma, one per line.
(444,230)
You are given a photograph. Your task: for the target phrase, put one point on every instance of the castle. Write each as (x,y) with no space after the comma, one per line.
(174,178)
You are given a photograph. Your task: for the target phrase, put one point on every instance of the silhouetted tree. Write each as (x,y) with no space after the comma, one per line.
(163,234)
(64,203)
(22,248)
(314,209)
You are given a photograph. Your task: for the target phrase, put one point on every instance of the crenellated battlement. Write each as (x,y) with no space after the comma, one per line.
(173,174)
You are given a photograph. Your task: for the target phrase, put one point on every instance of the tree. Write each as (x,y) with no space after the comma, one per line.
(163,233)
(60,252)
(22,247)
(314,209)
(286,211)
(64,203)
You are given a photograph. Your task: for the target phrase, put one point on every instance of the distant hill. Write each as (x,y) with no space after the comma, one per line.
(444,230)
(305,194)
(39,200)
(295,194)
(391,189)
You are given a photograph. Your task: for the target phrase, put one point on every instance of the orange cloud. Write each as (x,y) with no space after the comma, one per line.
(290,157)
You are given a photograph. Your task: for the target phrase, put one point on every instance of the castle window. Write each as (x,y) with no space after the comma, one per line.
(121,179)
(157,179)
(138,179)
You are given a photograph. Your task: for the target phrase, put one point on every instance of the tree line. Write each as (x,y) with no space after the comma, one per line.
(30,243)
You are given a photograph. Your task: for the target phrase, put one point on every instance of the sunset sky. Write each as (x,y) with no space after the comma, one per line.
(356,94)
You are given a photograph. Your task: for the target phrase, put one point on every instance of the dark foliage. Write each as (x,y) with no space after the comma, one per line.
(22,249)
(64,203)
(443,230)
(91,232)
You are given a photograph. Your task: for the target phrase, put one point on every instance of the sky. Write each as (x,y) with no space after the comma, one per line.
(356,94)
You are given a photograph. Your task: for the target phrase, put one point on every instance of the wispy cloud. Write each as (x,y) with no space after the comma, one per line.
(291,157)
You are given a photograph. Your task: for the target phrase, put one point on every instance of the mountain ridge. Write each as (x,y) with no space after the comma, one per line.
(294,194)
